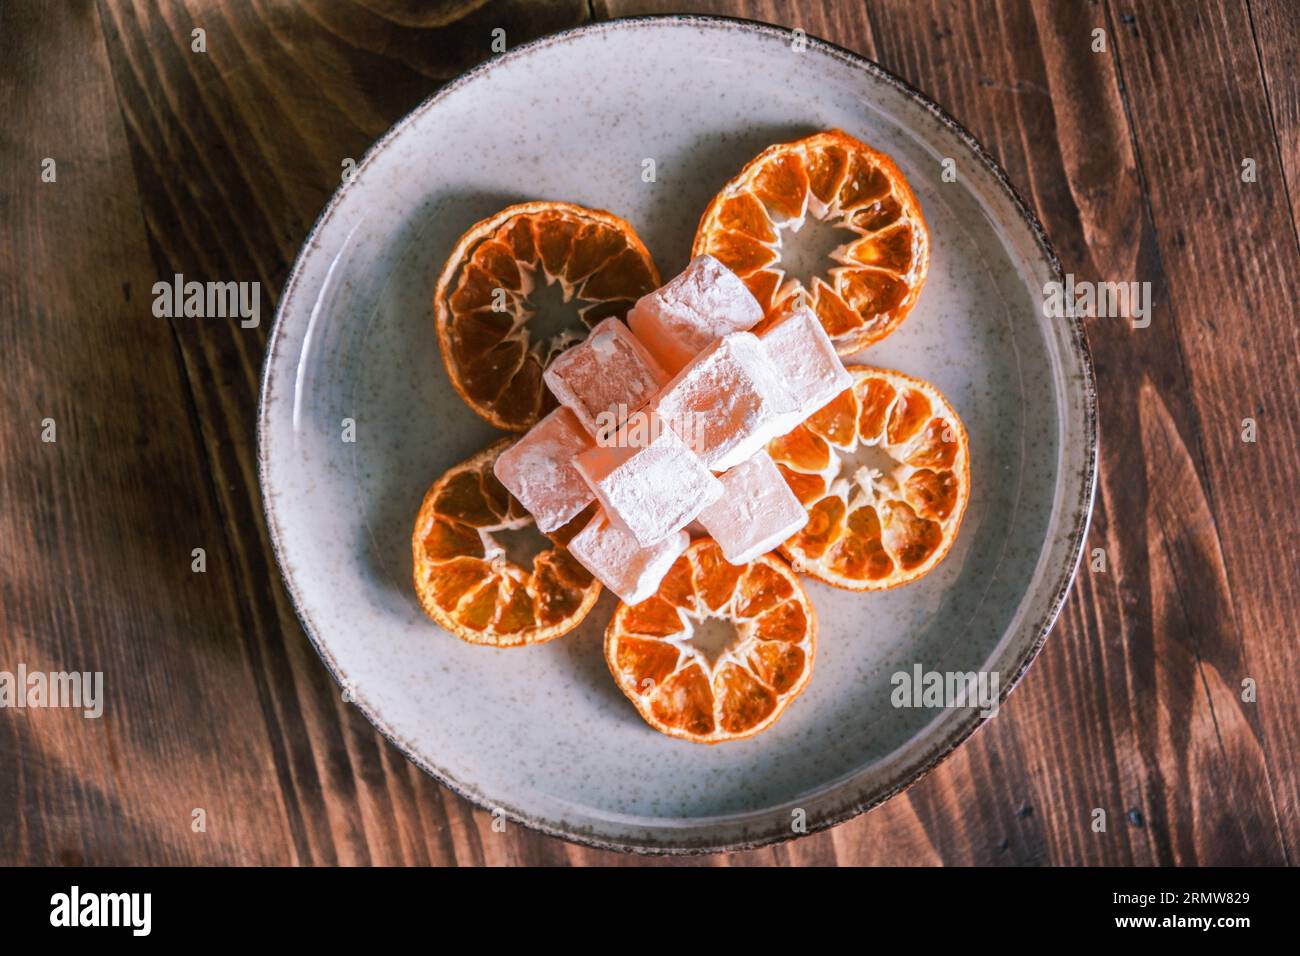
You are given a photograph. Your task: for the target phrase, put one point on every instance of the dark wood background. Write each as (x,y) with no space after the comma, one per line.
(215,165)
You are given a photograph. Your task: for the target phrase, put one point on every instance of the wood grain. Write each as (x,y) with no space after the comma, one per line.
(216,164)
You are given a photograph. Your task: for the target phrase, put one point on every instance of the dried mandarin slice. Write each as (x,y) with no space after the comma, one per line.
(807,488)
(837,420)
(463,578)
(802,448)
(870,283)
(884,473)
(722,662)
(483,301)
(761,590)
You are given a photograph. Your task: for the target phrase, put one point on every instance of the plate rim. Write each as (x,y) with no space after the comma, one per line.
(967,725)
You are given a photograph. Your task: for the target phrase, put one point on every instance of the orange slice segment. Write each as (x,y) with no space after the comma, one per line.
(466,582)
(871,281)
(483,301)
(884,472)
(719,651)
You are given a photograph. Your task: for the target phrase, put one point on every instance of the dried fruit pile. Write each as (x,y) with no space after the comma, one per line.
(668,455)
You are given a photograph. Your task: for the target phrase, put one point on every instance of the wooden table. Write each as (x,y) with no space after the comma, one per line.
(214,164)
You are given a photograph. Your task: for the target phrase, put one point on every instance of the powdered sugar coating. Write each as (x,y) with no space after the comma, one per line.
(538,470)
(801,351)
(647,479)
(695,309)
(621,564)
(757,510)
(605,378)
(728,402)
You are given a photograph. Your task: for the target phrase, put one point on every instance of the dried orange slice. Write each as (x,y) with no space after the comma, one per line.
(884,472)
(483,305)
(463,577)
(872,280)
(719,651)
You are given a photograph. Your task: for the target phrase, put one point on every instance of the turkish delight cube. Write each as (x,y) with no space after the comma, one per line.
(728,403)
(539,471)
(801,351)
(647,480)
(606,377)
(757,510)
(620,563)
(691,312)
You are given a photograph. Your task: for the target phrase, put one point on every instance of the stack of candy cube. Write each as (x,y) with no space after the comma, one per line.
(665,423)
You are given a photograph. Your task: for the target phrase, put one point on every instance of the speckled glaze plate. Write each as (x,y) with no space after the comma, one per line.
(542,734)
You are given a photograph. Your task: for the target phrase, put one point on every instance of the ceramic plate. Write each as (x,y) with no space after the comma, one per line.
(542,734)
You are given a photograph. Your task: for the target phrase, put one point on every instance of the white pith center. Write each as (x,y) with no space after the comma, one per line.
(797,265)
(870,470)
(811,247)
(518,542)
(712,640)
(548,313)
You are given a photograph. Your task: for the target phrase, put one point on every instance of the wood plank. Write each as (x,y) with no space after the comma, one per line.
(991,72)
(1052,111)
(1275,30)
(1228,247)
(844,23)
(96,547)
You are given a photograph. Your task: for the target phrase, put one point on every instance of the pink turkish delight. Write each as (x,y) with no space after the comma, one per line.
(647,479)
(691,312)
(728,403)
(757,510)
(620,563)
(539,471)
(804,356)
(605,378)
